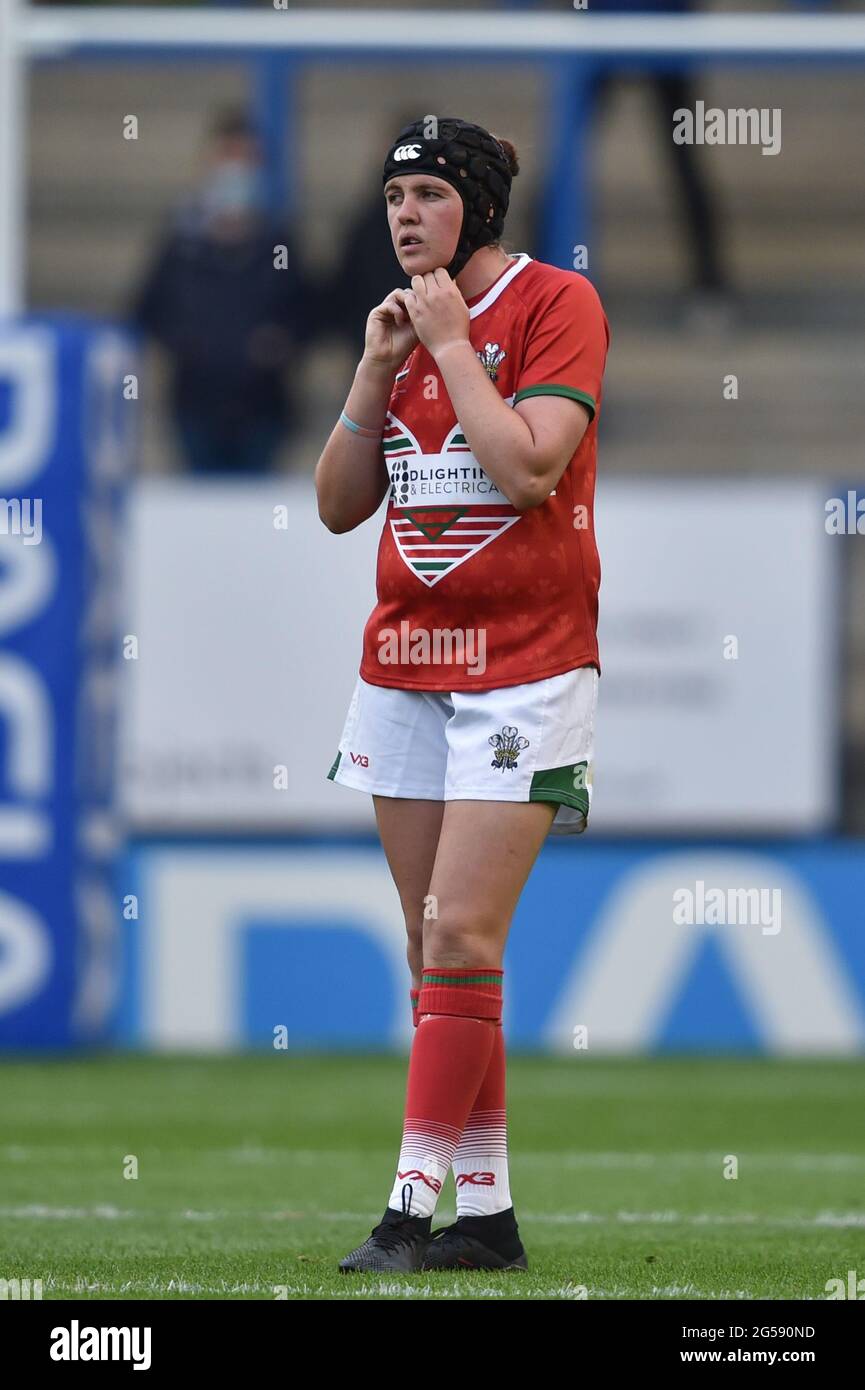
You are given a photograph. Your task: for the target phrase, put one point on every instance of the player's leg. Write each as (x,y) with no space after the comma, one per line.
(452,1049)
(393,746)
(409,833)
(451,1057)
(539,762)
(485,854)
(400,755)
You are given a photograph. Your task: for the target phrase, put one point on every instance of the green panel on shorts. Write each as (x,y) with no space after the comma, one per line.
(332,772)
(563,784)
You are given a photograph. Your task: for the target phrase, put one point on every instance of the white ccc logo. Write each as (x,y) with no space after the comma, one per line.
(406,152)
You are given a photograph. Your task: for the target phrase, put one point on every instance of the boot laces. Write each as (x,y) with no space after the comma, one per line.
(390,1235)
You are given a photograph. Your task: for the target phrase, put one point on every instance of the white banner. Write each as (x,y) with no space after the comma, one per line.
(717,707)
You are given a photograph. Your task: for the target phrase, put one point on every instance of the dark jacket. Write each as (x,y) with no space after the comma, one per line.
(231,321)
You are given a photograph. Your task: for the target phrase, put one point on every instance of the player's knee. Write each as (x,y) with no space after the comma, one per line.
(457,939)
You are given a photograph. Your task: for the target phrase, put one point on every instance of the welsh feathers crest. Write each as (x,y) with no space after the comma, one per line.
(508,745)
(492,358)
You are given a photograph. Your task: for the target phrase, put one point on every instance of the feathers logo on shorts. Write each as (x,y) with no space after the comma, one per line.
(508,745)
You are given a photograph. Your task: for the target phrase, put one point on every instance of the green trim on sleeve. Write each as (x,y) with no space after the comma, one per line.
(554,390)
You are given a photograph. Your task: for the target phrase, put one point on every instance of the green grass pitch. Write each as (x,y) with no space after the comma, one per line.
(256,1173)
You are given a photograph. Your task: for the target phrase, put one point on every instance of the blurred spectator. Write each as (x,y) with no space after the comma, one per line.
(230,319)
(367,268)
(709,285)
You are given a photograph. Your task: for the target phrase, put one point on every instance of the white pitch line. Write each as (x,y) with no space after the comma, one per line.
(799,1161)
(803,1162)
(271,1291)
(820,1221)
(393,1289)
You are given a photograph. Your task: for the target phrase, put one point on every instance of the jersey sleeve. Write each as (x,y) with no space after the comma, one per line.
(566,345)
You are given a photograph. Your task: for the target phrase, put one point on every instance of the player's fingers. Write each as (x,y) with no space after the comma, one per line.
(393,307)
(387,318)
(418,284)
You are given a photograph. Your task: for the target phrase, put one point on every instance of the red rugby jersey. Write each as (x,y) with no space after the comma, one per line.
(472,594)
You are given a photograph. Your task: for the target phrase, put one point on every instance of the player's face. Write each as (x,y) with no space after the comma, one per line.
(425,215)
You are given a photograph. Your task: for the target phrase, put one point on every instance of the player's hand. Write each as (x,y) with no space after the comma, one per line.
(437,310)
(390,335)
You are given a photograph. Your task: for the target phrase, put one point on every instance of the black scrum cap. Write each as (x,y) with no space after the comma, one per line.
(470,159)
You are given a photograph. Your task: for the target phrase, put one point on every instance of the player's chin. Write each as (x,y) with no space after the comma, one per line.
(419,262)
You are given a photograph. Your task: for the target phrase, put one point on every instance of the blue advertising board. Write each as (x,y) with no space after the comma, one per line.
(615,947)
(66,437)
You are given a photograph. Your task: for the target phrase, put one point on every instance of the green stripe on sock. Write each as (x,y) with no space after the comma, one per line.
(462,979)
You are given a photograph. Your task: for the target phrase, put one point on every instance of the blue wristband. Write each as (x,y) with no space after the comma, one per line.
(359,429)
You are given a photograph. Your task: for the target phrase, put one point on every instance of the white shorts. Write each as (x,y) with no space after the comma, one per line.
(532,742)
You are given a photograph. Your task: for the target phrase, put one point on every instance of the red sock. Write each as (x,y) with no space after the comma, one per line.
(459,1010)
(480,1162)
(414,995)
